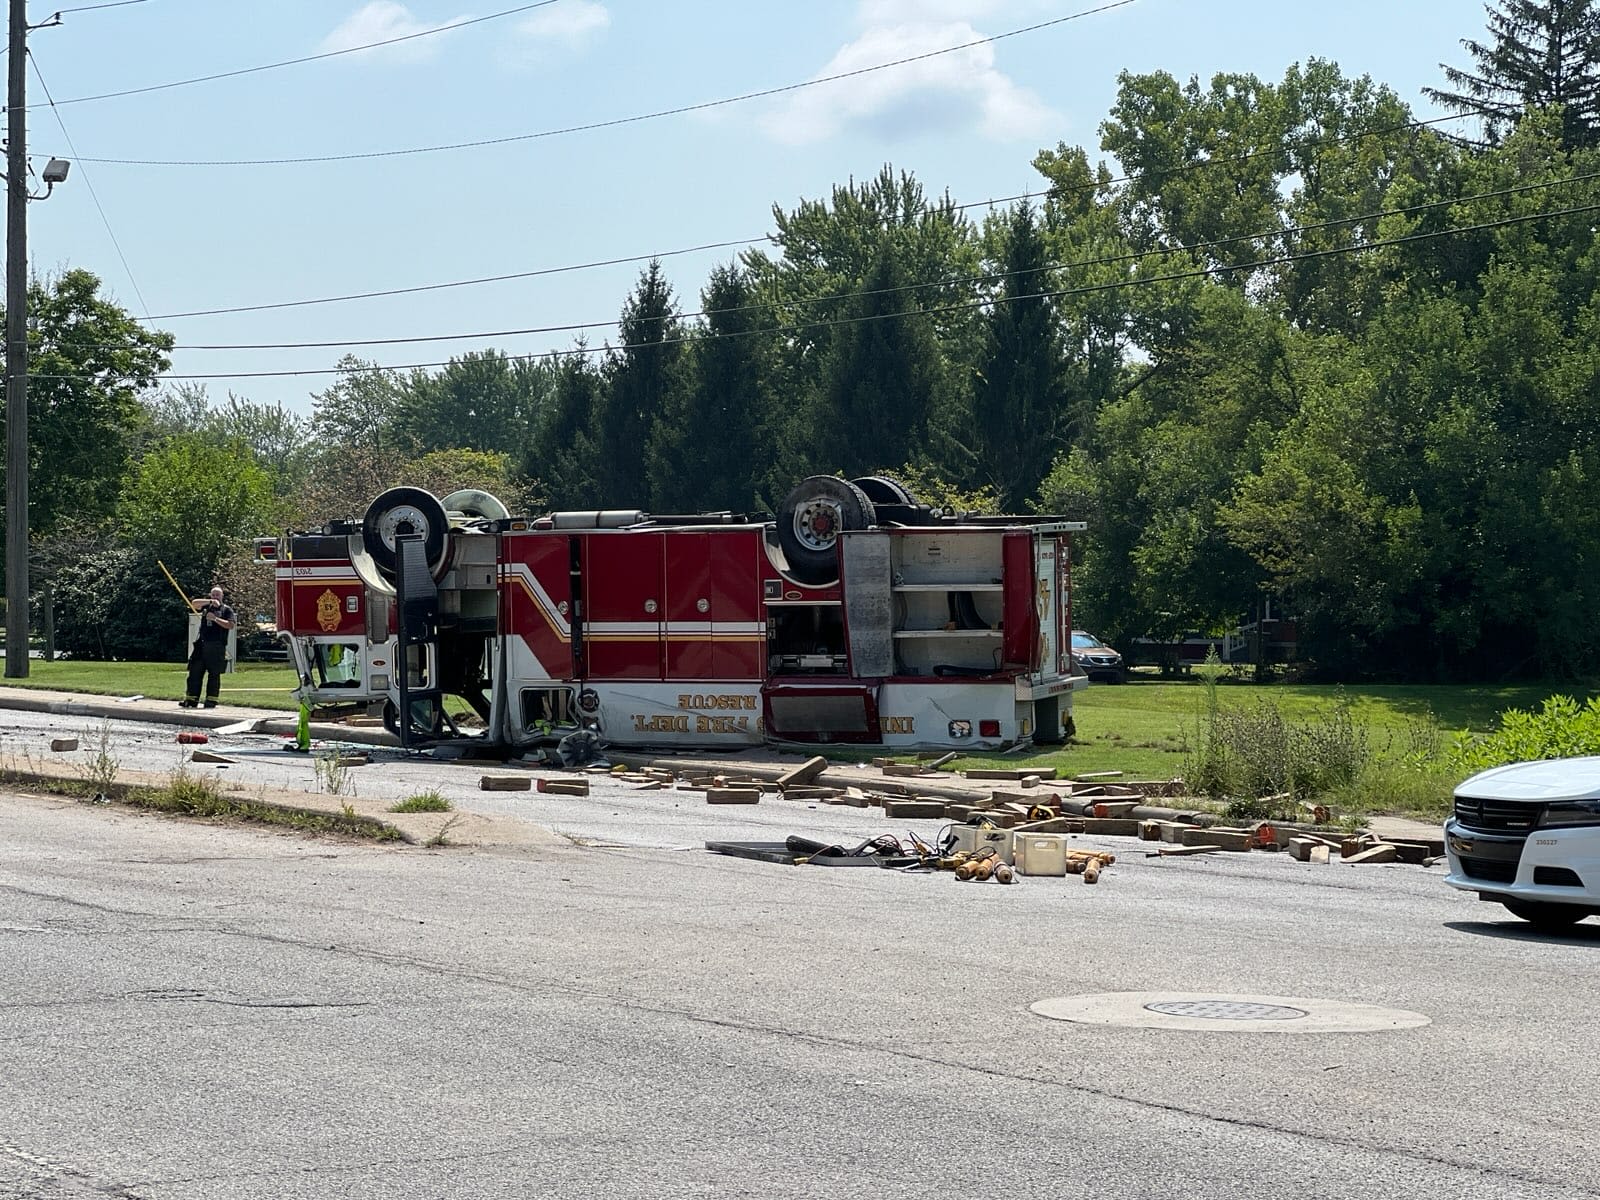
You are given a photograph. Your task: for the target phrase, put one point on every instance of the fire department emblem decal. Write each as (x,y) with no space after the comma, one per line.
(328,608)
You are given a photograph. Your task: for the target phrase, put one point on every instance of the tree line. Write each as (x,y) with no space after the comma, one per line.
(1300,345)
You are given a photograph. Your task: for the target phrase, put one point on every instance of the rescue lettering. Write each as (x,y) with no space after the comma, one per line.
(900,725)
(717,703)
(660,723)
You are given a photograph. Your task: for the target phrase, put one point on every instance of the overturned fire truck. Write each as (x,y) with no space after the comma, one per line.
(856,616)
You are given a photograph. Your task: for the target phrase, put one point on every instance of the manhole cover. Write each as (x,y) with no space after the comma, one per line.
(1227,1010)
(1214,1013)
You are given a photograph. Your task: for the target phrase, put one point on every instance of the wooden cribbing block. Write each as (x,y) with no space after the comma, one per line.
(1051,825)
(1030,781)
(1412,852)
(655,785)
(1300,848)
(1011,774)
(564,787)
(1221,838)
(1115,827)
(1172,831)
(1100,775)
(811,793)
(732,795)
(1352,846)
(506,783)
(910,809)
(1182,851)
(61,745)
(1150,831)
(903,769)
(205,756)
(1321,854)
(804,773)
(1383,852)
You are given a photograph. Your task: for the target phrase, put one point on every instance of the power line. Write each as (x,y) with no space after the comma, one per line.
(292,62)
(93,195)
(1096,185)
(965,306)
(61,12)
(594,125)
(1281,231)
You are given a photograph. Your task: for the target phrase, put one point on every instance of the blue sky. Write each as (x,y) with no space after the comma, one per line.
(205,237)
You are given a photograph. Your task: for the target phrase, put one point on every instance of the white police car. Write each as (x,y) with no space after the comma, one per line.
(1528,836)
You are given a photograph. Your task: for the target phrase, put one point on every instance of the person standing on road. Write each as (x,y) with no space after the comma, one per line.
(210,648)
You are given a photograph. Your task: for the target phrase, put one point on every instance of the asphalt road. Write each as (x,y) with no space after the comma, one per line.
(198,1011)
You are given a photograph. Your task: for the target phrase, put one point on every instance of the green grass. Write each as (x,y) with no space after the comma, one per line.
(422,802)
(254,685)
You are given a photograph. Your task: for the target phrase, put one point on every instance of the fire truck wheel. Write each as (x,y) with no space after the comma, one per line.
(810,520)
(884,489)
(404,510)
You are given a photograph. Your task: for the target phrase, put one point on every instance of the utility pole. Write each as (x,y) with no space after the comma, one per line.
(17,346)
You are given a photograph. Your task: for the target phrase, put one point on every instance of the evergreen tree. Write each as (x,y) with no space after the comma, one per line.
(641,374)
(559,461)
(1540,52)
(1019,397)
(880,377)
(707,451)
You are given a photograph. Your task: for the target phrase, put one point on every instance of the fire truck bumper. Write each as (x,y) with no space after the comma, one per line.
(1033,688)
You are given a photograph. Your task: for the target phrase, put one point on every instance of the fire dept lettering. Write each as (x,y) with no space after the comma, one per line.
(685,723)
(328,608)
(900,725)
(718,703)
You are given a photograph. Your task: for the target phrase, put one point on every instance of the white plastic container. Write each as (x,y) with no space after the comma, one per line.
(973,838)
(1040,853)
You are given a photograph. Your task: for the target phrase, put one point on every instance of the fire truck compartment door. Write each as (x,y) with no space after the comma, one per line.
(868,603)
(832,714)
(623,575)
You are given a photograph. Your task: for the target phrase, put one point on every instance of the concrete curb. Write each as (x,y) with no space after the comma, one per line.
(162,712)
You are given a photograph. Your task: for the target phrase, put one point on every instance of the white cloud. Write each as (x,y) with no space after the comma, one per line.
(963,89)
(382,21)
(569,25)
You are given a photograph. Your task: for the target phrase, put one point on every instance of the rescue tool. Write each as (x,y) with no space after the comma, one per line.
(854,616)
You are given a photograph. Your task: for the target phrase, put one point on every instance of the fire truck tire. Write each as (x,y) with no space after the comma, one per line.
(399,510)
(884,489)
(810,520)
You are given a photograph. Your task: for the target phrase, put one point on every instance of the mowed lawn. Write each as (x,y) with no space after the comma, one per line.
(1146,727)
(257,685)
(1143,728)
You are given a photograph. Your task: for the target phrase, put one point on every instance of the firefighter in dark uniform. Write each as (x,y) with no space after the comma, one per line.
(210,649)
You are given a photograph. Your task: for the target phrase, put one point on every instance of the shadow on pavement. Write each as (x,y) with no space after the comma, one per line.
(1521,931)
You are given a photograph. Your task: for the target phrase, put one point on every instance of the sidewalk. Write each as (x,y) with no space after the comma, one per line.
(167,712)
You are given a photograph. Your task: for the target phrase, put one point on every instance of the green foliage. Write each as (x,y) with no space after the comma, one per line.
(89,360)
(430,801)
(116,604)
(1561,728)
(643,376)
(1254,752)
(190,499)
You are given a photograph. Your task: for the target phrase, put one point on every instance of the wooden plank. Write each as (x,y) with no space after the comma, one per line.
(506,783)
(804,773)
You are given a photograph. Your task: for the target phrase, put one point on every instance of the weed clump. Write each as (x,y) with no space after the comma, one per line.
(422,802)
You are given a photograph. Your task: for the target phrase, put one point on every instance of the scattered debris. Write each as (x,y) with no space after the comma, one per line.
(733,795)
(506,783)
(806,772)
(192,739)
(562,787)
(62,745)
(206,756)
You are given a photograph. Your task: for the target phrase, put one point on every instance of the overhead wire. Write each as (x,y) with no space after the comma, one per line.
(965,306)
(93,195)
(1095,185)
(61,12)
(1279,231)
(293,62)
(612,123)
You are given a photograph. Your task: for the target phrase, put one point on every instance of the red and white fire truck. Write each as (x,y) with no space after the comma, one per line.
(855,616)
